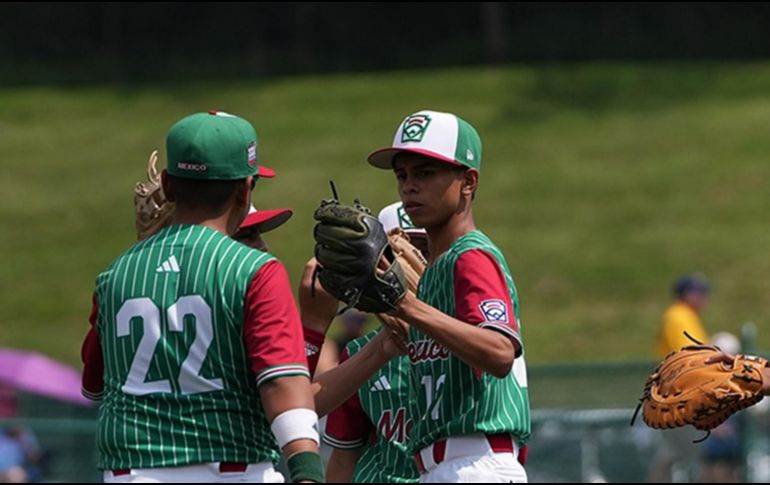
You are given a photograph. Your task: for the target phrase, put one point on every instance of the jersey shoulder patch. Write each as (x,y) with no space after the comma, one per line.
(494,310)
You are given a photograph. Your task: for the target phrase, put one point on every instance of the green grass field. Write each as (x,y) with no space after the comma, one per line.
(601,183)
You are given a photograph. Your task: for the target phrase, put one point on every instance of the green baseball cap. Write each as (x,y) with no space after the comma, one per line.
(214,146)
(443,136)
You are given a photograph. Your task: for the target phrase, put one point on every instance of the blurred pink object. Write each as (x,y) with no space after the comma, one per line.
(37,374)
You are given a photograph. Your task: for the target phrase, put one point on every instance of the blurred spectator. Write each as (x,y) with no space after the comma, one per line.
(353,323)
(676,457)
(691,294)
(20,453)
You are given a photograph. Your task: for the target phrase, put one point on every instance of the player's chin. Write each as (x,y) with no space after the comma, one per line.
(421,221)
(419,214)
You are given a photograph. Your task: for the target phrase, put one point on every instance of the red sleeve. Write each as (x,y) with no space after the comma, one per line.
(93,363)
(482,297)
(272,330)
(313,343)
(348,426)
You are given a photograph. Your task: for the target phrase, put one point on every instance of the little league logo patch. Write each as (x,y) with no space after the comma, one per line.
(403,219)
(252,154)
(494,311)
(414,128)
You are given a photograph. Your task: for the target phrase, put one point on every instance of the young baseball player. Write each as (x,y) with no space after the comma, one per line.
(470,411)
(369,432)
(195,347)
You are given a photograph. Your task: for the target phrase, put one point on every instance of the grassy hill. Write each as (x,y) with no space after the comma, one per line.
(601,183)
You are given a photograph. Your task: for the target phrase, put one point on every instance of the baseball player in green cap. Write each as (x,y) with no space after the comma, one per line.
(195,348)
(470,407)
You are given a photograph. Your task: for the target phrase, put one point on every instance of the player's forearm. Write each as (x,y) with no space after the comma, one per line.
(316,323)
(317,307)
(333,387)
(285,393)
(288,407)
(341,465)
(481,348)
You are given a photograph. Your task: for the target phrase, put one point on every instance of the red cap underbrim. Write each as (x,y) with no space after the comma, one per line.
(267,220)
(265,172)
(383,158)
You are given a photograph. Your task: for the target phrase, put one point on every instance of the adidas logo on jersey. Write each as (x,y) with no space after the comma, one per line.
(169,266)
(382,384)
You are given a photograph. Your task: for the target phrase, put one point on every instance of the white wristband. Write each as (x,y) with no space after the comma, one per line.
(295,424)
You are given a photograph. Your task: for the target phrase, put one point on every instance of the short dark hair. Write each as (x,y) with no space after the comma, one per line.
(691,283)
(209,195)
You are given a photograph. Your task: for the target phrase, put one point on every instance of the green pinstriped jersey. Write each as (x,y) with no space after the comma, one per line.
(178,387)
(450,399)
(385,400)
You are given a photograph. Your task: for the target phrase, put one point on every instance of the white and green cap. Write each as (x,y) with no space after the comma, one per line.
(442,136)
(394,216)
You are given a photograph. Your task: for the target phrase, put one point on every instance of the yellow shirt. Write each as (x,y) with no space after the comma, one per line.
(679,318)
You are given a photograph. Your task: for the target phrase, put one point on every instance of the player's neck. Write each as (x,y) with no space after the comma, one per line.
(216,222)
(441,238)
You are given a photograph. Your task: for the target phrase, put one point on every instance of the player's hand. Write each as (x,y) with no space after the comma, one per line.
(721,358)
(728,359)
(387,344)
(317,307)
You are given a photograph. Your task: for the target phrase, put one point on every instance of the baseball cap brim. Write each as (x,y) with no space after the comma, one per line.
(265,172)
(267,220)
(383,158)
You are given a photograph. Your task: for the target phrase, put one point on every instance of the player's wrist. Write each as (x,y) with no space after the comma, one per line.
(384,347)
(306,466)
(404,306)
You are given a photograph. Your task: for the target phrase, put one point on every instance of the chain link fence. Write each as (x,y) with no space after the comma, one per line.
(581,433)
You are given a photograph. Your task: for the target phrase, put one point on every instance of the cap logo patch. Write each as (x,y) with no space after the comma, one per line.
(192,167)
(494,310)
(469,155)
(252,154)
(403,219)
(414,128)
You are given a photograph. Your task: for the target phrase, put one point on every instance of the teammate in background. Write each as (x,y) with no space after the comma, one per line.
(195,347)
(332,385)
(394,216)
(470,411)
(369,432)
(258,222)
(691,293)
(353,321)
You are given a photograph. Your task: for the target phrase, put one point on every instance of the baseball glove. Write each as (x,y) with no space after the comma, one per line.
(356,263)
(153,210)
(413,264)
(685,389)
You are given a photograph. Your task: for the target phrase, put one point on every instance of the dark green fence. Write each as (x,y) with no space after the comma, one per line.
(581,432)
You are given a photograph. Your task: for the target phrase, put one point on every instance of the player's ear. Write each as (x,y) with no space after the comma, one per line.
(166,184)
(470,182)
(243,193)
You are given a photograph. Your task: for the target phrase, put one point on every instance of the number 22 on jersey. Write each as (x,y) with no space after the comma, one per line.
(190,382)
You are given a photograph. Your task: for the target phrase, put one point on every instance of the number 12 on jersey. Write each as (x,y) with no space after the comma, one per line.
(433,396)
